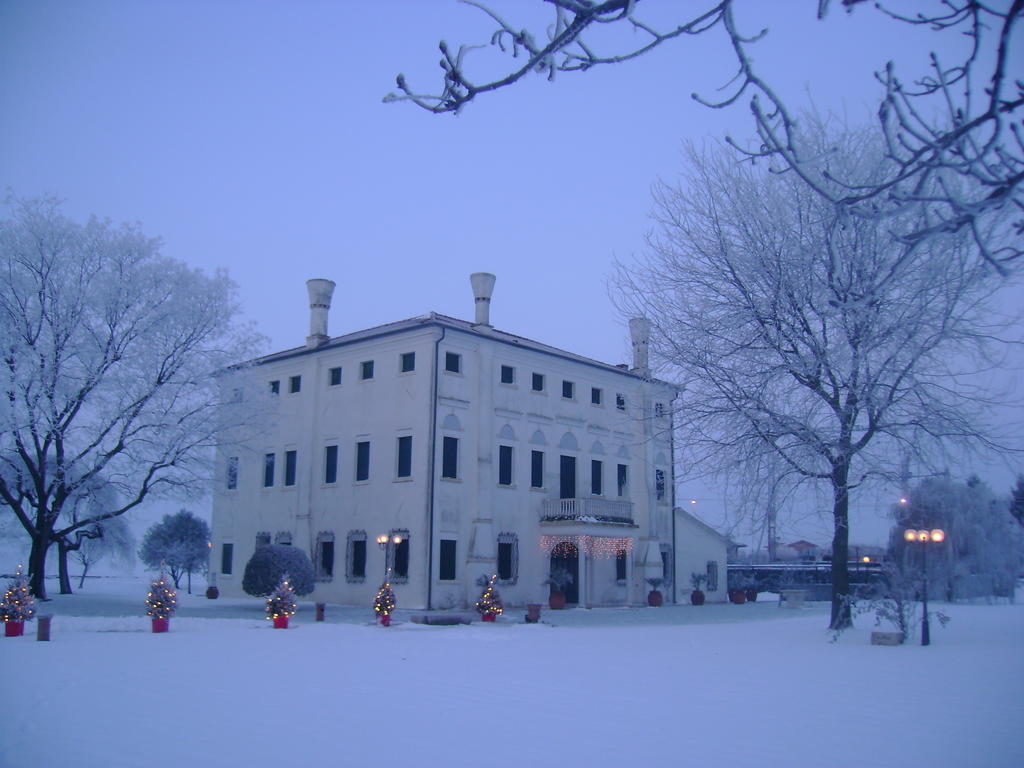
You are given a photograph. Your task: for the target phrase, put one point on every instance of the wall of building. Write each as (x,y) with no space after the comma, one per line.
(474,509)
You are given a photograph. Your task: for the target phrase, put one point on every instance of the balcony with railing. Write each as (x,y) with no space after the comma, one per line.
(591,510)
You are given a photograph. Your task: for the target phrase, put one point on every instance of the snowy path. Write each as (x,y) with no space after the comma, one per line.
(233,692)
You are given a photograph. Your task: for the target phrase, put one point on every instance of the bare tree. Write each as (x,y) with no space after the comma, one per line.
(109,355)
(796,329)
(88,545)
(115,542)
(954,133)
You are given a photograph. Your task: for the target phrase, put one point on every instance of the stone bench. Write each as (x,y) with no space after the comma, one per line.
(440,619)
(887,638)
(791,598)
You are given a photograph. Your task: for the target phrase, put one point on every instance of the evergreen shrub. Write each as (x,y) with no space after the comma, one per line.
(270,563)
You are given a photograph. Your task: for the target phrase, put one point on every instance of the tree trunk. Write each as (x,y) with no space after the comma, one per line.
(85,570)
(62,568)
(37,565)
(190,581)
(841,608)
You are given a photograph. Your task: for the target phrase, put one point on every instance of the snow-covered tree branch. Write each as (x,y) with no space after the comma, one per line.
(953,131)
(798,330)
(109,355)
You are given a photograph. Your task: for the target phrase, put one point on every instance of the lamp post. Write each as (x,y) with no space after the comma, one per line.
(387,544)
(924,537)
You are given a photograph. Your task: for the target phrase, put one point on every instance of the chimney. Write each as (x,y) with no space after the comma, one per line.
(640,332)
(483,285)
(320,293)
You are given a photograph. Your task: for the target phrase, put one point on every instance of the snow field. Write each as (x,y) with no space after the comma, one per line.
(234,692)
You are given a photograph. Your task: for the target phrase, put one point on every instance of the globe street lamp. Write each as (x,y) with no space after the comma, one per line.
(924,537)
(387,544)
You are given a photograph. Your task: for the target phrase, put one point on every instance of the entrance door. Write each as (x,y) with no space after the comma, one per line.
(567,477)
(565,556)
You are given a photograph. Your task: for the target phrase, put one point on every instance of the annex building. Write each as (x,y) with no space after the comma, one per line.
(472,450)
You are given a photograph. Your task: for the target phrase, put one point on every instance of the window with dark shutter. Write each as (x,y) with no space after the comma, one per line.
(446,570)
(536,469)
(331,464)
(508,374)
(405,456)
(232,473)
(504,465)
(450,458)
(366,370)
(334,376)
(596,484)
(268,470)
(227,553)
(362,461)
(290,460)
(295,384)
(408,362)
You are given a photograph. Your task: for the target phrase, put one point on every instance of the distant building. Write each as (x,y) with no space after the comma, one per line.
(477,450)
(703,550)
(799,550)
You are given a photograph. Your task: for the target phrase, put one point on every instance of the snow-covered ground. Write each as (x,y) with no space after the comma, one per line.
(725,685)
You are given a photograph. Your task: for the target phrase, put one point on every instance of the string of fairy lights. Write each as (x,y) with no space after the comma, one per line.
(489,605)
(281,602)
(384,603)
(604,547)
(161,600)
(18,603)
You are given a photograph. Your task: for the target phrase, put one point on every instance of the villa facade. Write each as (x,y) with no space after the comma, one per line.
(476,450)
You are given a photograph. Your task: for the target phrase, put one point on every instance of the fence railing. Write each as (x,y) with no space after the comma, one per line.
(587,511)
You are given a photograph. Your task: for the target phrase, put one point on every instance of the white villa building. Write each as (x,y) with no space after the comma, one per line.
(481,451)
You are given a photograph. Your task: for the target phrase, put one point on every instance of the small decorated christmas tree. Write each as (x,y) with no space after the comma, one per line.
(18,605)
(489,605)
(281,604)
(384,603)
(161,602)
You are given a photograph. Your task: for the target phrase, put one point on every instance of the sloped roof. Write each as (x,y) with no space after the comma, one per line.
(701,524)
(437,319)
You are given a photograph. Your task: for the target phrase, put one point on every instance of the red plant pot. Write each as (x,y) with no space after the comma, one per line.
(14,628)
(212,593)
(738,596)
(556,601)
(751,595)
(697,597)
(488,617)
(385,620)
(280,622)
(654,598)
(161,625)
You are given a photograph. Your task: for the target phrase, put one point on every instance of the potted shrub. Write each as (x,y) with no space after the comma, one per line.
(281,604)
(738,596)
(697,580)
(654,598)
(17,606)
(489,605)
(558,580)
(750,591)
(161,603)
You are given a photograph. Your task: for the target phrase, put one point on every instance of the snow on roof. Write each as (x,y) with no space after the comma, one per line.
(437,319)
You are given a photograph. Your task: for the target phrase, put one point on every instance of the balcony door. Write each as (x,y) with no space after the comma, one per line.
(567,477)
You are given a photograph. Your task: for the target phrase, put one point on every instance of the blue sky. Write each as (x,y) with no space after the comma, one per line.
(251,136)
